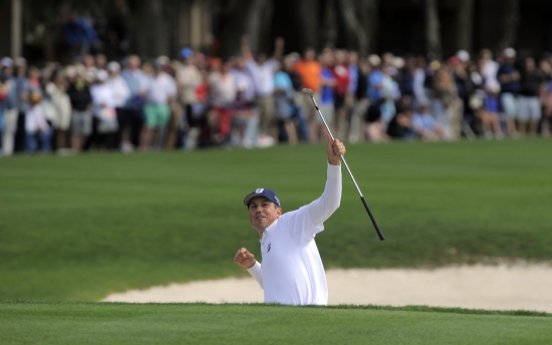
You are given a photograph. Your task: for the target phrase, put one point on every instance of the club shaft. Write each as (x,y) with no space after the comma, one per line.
(376,226)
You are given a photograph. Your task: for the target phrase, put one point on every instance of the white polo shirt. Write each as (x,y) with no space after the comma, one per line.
(292,270)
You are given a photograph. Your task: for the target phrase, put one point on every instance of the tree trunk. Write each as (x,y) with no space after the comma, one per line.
(307,23)
(241,17)
(465,24)
(509,24)
(368,16)
(350,19)
(151,30)
(330,29)
(433,36)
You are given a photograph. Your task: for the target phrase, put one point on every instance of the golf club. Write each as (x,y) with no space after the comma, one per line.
(380,234)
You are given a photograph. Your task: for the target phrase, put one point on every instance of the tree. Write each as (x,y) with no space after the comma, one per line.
(433,37)
(509,24)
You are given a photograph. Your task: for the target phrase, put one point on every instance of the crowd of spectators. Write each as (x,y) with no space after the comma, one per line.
(254,100)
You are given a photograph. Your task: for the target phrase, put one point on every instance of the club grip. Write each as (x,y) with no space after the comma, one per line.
(380,234)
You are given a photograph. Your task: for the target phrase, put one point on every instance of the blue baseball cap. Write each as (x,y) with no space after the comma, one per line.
(264,192)
(186,52)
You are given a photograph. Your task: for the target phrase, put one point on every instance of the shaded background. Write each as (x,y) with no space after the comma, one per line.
(32,28)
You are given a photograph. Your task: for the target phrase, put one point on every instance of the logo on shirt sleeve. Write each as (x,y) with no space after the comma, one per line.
(269,245)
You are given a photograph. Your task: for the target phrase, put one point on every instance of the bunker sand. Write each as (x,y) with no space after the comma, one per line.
(500,287)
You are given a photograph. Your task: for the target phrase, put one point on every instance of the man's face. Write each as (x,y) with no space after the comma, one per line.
(263,212)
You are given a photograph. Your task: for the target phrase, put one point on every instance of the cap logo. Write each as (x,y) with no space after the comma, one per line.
(259,190)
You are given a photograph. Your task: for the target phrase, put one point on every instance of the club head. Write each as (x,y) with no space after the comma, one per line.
(308,91)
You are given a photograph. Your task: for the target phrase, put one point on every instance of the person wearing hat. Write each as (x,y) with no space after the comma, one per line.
(8,105)
(161,93)
(121,95)
(188,79)
(508,77)
(291,271)
(36,125)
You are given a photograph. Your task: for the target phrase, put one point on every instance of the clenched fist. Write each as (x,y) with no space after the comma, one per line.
(244,258)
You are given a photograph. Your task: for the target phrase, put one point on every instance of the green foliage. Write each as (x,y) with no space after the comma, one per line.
(104,323)
(81,227)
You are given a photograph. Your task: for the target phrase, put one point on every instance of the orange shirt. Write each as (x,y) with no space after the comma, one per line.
(310,73)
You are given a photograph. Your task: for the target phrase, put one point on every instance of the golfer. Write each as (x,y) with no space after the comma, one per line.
(291,271)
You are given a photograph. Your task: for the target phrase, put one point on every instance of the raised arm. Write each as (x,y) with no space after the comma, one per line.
(244,45)
(323,207)
(278,48)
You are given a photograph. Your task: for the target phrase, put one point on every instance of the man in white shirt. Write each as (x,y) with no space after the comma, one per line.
(158,109)
(262,70)
(291,270)
(188,79)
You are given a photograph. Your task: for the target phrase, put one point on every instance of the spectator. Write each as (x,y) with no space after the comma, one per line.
(357,79)
(529,103)
(489,113)
(79,33)
(447,106)
(327,94)
(407,76)
(132,118)
(546,68)
(489,68)
(162,93)
(283,99)
(423,81)
(8,105)
(390,93)
(310,71)
(375,128)
(121,95)
(81,104)
(223,92)
(425,126)
(508,77)
(245,122)
(375,79)
(360,104)
(400,126)
(262,72)
(105,123)
(100,61)
(37,128)
(297,114)
(188,79)
(61,104)
(342,81)
(465,85)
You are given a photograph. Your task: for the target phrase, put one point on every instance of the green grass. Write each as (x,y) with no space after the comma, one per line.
(99,323)
(81,227)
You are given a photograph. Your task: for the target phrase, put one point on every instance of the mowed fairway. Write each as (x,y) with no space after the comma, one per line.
(81,227)
(100,323)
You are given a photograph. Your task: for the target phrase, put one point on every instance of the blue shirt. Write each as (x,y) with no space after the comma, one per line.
(327,94)
(375,79)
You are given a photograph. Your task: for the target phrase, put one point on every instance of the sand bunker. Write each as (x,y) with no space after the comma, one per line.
(504,287)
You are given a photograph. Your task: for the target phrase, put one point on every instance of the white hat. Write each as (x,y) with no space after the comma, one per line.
(21,61)
(162,61)
(509,52)
(7,62)
(463,55)
(102,75)
(374,60)
(71,71)
(113,66)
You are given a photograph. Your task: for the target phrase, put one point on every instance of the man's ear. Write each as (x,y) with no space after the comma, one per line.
(279,211)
